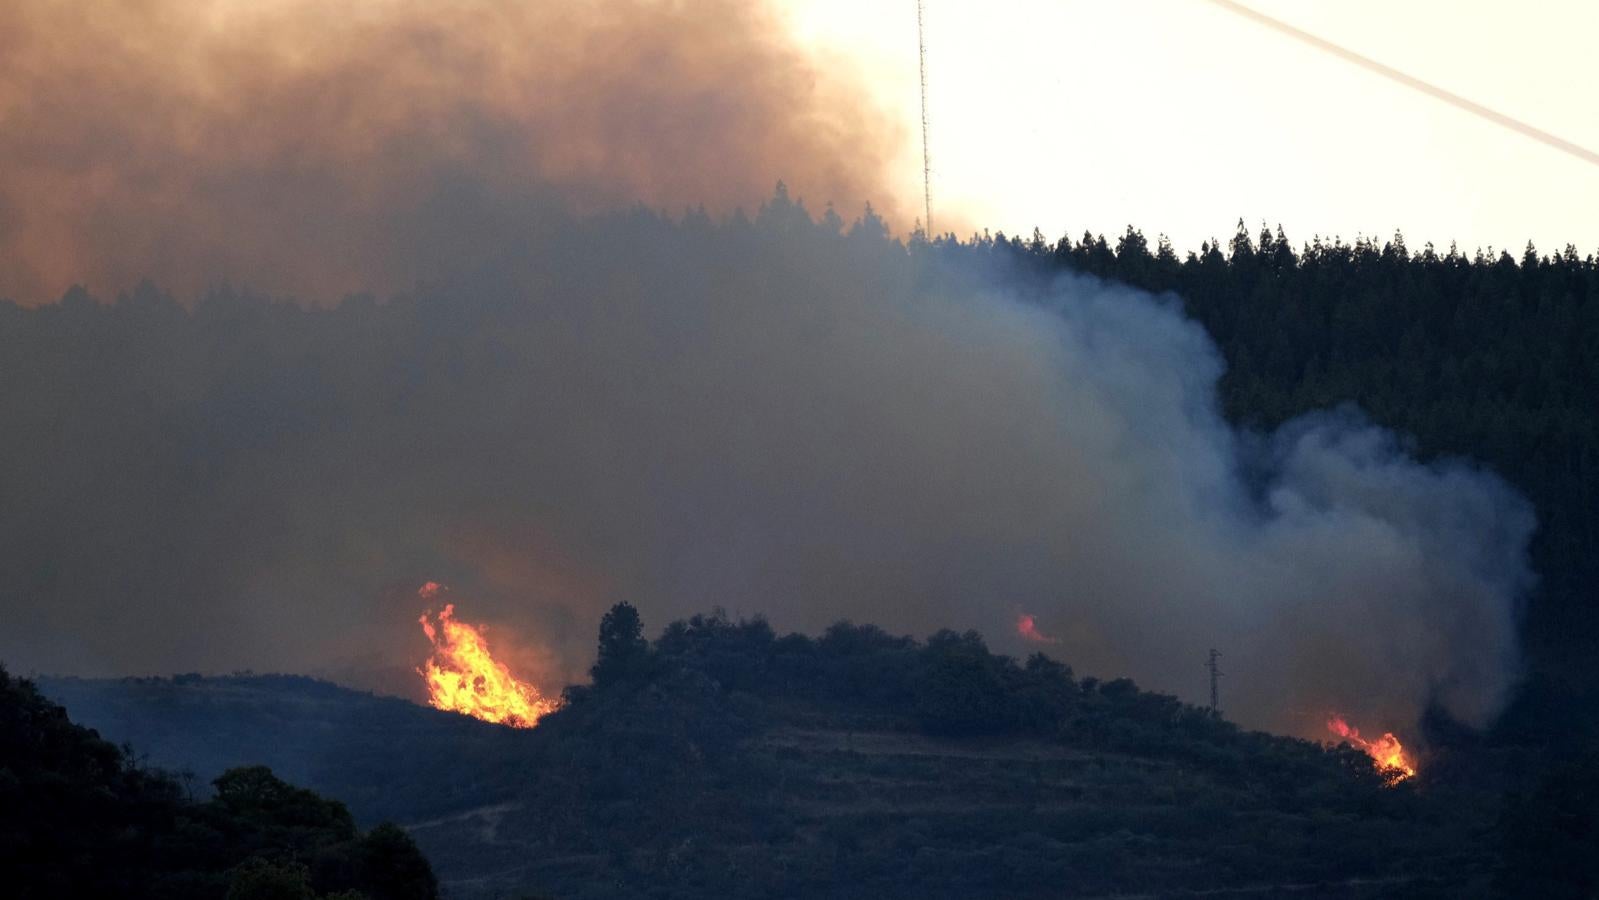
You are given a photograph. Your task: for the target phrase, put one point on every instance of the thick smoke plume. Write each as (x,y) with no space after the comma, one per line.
(579,407)
(766,415)
(316,149)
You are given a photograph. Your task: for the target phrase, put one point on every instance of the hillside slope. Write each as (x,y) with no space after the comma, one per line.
(384,757)
(723,760)
(80,817)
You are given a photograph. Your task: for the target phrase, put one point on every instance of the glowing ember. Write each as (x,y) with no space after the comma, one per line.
(1028,629)
(1386,752)
(463,677)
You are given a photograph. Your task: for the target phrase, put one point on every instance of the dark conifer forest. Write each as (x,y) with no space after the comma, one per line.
(724,759)
(1483,355)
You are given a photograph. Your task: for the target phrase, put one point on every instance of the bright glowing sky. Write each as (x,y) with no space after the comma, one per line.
(1179,117)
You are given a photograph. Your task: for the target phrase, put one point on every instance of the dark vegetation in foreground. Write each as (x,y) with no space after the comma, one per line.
(81,817)
(723,760)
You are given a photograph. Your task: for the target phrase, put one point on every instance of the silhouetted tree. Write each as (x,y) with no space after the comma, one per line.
(390,867)
(262,879)
(959,691)
(623,652)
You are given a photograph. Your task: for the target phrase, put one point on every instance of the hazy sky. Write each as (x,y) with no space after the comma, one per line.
(1180,117)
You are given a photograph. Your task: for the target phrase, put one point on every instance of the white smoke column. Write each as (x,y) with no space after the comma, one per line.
(1337,572)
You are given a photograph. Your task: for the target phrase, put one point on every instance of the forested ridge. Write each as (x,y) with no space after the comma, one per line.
(1481,356)
(1486,356)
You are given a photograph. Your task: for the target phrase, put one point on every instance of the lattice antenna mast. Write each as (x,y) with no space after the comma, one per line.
(927,159)
(1215,675)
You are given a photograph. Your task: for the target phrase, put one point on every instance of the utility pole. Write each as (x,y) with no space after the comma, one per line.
(927,159)
(1215,673)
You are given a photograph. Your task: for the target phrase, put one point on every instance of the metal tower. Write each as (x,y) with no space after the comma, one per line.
(1215,674)
(927,163)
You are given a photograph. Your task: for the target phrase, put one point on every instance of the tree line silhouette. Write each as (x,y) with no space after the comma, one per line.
(1484,355)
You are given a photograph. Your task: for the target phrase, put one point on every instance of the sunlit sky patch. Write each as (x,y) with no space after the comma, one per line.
(1181,118)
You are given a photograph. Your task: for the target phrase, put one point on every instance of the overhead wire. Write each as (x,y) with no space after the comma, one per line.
(1432,90)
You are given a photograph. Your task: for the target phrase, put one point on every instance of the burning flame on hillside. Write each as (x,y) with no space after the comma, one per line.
(462,676)
(1386,752)
(1027,627)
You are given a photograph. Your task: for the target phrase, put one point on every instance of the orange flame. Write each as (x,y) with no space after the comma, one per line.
(462,676)
(1386,752)
(1028,629)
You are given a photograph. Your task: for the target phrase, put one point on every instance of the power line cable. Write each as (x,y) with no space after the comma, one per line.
(1410,81)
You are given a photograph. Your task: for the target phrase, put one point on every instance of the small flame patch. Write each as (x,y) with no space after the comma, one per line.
(462,676)
(1027,627)
(1386,752)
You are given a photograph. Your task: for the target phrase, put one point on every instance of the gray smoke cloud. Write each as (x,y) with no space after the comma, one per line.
(580,406)
(766,415)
